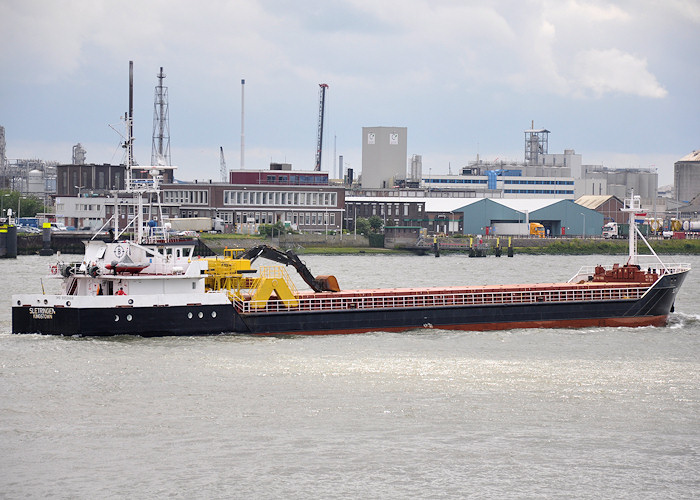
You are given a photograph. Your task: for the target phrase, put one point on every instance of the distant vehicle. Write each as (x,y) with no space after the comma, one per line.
(537,229)
(518,229)
(199,224)
(614,230)
(28,221)
(58,226)
(691,225)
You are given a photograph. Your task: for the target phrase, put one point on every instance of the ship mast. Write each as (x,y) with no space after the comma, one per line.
(633,206)
(138,187)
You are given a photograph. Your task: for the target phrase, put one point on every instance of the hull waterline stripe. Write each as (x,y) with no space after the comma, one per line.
(579,323)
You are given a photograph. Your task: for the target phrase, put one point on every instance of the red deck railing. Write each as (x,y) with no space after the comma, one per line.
(401,299)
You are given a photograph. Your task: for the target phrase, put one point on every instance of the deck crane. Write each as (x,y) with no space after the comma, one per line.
(321,109)
(222,165)
(289,258)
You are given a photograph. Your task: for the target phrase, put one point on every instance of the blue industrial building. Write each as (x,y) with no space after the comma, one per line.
(553,214)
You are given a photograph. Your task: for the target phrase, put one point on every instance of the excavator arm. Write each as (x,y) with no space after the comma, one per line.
(289,258)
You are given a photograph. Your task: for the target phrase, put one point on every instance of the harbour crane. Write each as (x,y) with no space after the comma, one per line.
(222,165)
(321,109)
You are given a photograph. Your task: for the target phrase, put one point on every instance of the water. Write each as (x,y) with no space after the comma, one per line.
(595,413)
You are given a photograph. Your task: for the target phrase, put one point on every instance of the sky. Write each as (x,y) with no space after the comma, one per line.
(617,81)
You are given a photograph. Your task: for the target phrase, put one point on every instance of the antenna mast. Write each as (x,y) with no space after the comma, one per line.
(160,151)
(130,118)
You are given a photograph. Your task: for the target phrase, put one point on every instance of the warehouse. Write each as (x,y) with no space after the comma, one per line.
(559,217)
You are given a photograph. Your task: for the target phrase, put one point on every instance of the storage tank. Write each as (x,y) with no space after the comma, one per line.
(691,225)
(35,182)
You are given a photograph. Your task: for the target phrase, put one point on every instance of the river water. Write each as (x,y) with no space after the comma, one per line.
(593,413)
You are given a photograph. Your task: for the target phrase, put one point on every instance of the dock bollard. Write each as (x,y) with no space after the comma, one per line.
(46,240)
(11,242)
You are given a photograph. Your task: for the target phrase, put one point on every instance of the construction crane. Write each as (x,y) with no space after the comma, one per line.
(321,109)
(222,165)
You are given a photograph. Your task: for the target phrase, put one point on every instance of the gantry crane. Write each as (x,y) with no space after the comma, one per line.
(321,109)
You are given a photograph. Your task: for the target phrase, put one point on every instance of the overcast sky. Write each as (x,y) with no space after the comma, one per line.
(617,81)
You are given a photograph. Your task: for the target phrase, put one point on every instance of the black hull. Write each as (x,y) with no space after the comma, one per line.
(652,309)
(143,321)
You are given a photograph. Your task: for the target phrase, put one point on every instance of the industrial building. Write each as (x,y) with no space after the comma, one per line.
(504,183)
(89,179)
(307,207)
(547,175)
(609,206)
(540,175)
(435,215)
(29,177)
(686,175)
(559,217)
(477,215)
(384,156)
(599,180)
(280,174)
(303,200)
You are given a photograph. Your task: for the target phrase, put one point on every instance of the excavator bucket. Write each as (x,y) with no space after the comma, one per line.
(328,283)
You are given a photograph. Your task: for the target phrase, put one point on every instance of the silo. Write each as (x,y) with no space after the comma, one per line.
(644,189)
(687,176)
(35,182)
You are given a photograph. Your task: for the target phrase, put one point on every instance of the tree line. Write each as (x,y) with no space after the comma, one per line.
(29,205)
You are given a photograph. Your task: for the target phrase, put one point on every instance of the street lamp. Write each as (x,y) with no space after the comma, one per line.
(19,202)
(355,219)
(79,188)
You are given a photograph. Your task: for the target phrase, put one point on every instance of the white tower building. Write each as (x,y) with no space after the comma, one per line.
(384,156)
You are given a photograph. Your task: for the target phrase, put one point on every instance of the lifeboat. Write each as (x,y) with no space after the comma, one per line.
(126,267)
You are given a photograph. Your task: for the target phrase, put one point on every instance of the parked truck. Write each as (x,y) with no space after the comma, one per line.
(198,224)
(616,230)
(518,229)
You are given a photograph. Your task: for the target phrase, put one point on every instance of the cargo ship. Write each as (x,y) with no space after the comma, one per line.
(149,282)
(153,285)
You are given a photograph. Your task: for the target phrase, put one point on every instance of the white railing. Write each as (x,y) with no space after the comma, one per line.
(447,299)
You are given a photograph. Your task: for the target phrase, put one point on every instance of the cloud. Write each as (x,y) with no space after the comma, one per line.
(457,72)
(34,47)
(597,12)
(686,9)
(614,71)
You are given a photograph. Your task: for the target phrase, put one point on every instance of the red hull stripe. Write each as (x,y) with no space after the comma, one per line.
(578,323)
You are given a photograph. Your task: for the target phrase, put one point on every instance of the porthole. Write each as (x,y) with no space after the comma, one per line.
(189,315)
(128,317)
(19,303)
(213,314)
(200,315)
(116,318)
(131,301)
(68,302)
(46,301)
